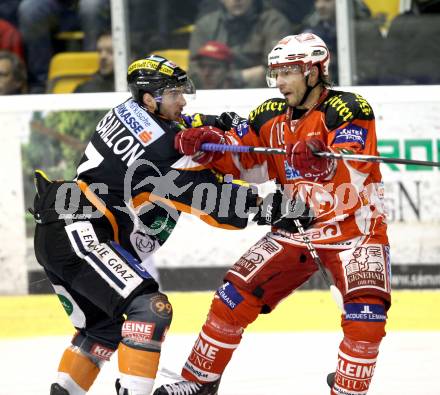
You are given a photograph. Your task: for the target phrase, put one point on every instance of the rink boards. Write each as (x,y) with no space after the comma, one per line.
(42,315)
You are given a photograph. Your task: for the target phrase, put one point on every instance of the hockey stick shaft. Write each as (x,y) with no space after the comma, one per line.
(242,148)
(280,151)
(377,159)
(336,294)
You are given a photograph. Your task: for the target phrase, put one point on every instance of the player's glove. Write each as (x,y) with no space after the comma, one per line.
(301,157)
(196,120)
(188,142)
(231,120)
(280,212)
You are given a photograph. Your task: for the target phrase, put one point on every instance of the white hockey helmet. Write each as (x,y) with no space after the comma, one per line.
(305,50)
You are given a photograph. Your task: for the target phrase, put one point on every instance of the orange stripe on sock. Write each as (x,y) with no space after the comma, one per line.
(137,362)
(80,368)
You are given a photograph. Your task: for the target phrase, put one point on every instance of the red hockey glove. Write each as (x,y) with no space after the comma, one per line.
(188,142)
(300,156)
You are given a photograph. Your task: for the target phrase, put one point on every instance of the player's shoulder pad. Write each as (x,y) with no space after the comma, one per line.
(340,107)
(265,111)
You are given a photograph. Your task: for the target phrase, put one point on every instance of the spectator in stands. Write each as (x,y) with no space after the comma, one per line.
(8,11)
(294,10)
(322,22)
(10,38)
(40,20)
(213,61)
(158,25)
(104,79)
(12,74)
(250,28)
(412,46)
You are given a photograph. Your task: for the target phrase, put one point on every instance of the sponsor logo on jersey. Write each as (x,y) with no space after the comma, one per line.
(255,258)
(196,372)
(364,105)
(202,357)
(66,303)
(291,172)
(267,106)
(229,295)
(365,312)
(327,231)
(342,108)
(242,129)
(322,199)
(351,134)
(143,243)
(76,315)
(101,352)
(131,260)
(164,227)
(139,331)
(138,122)
(364,268)
(67,216)
(353,375)
(116,271)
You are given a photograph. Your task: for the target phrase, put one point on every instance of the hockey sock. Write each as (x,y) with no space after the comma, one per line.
(356,364)
(212,350)
(138,368)
(76,372)
(364,328)
(221,334)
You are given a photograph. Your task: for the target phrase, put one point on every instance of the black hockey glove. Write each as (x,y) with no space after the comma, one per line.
(278,211)
(231,120)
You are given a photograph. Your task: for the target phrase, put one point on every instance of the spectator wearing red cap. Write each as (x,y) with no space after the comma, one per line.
(214,61)
(10,39)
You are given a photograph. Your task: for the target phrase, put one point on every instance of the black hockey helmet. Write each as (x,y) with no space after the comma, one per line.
(153,75)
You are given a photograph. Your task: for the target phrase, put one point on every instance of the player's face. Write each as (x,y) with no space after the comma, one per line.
(291,83)
(172,103)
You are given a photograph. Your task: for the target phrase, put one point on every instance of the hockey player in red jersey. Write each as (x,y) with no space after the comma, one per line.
(348,232)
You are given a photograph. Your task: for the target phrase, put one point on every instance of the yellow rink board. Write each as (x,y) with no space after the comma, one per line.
(29,316)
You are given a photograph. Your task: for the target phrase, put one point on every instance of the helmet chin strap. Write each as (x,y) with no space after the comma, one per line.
(308,90)
(158,107)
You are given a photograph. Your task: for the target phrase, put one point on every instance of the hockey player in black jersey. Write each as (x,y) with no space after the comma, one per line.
(93,233)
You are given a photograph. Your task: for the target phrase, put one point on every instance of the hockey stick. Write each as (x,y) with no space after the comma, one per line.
(336,294)
(281,151)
